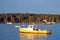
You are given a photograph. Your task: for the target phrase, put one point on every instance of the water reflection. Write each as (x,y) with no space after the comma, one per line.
(26,36)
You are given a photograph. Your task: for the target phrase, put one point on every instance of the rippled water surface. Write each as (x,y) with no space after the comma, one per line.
(10,32)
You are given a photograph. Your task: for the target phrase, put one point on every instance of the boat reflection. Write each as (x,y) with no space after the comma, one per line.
(27,36)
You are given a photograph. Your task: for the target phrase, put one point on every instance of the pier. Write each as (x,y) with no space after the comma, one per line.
(27,18)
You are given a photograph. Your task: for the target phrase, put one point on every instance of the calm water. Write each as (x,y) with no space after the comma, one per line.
(9,32)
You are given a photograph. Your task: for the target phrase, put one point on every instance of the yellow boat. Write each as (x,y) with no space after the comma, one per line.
(30,29)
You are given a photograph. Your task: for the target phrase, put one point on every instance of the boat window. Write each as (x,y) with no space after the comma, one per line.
(30,26)
(35,29)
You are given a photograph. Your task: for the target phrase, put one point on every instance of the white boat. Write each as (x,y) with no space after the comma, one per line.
(9,23)
(46,22)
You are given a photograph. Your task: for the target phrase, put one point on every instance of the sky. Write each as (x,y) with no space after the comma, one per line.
(30,6)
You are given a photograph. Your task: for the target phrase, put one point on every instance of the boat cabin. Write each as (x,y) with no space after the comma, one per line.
(32,27)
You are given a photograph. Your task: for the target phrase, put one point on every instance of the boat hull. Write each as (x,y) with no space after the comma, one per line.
(21,30)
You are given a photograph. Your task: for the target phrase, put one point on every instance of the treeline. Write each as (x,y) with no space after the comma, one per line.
(20,17)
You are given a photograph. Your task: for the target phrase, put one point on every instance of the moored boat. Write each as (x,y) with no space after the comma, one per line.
(9,23)
(46,22)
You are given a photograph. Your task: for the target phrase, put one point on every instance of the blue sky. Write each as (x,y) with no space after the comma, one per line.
(30,6)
